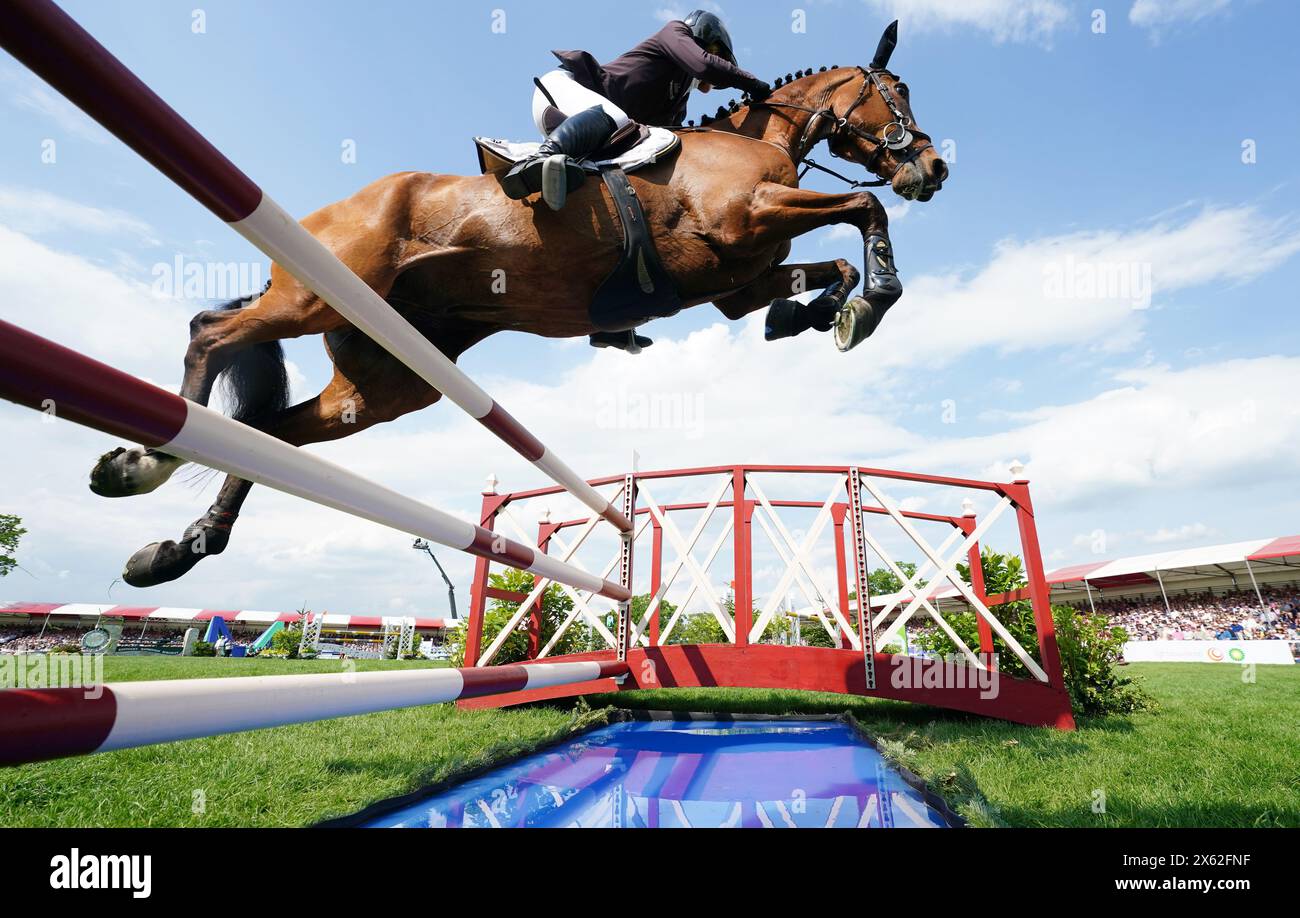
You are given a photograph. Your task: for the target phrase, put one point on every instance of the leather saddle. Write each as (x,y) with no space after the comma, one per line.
(639,288)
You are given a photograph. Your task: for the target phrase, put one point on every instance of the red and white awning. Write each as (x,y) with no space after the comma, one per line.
(1242,563)
(171,615)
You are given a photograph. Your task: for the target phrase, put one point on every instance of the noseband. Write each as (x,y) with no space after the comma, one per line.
(894,137)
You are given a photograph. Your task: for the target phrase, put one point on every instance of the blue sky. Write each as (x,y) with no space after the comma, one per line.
(1155,427)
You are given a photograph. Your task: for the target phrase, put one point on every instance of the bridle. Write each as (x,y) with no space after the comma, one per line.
(894,137)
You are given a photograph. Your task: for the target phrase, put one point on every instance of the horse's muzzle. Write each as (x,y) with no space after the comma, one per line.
(921,178)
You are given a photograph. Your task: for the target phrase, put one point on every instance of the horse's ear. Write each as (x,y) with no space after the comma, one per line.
(885,49)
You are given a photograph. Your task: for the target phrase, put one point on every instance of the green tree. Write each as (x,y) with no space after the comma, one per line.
(641,602)
(555,607)
(10,532)
(884,582)
(881,582)
(699,628)
(780,630)
(814,634)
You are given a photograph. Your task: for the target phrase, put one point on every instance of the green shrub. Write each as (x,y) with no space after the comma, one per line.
(1090,650)
(555,607)
(285,643)
(203,649)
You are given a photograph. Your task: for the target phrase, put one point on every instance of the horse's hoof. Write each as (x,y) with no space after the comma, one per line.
(855,323)
(782,320)
(159,562)
(127,472)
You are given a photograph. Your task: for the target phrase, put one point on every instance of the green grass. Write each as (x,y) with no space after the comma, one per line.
(1217,752)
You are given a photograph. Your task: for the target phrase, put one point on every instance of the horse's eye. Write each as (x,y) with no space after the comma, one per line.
(902,87)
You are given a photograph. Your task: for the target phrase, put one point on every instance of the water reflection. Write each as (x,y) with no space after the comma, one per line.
(687,774)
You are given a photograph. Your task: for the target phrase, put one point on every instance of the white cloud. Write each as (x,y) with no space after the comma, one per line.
(1180,535)
(1014,303)
(838,233)
(1035,21)
(37,212)
(1157,15)
(27,92)
(1222,425)
(90,308)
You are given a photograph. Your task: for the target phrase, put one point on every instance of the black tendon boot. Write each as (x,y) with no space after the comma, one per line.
(862,315)
(553,169)
(883,288)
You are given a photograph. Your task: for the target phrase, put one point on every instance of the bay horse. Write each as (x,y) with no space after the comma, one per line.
(461,262)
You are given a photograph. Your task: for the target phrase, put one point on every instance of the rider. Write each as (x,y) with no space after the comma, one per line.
(648,85)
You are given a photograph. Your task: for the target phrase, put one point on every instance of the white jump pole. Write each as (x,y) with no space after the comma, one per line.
(49,377)
(54,47)
(41,724)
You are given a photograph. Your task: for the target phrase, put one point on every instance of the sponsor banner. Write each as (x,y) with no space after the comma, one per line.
(1209,652)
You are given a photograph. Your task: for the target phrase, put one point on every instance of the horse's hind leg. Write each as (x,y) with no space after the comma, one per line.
(241,340)
(369,386)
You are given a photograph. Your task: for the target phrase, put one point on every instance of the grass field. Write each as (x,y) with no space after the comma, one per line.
(1217,752)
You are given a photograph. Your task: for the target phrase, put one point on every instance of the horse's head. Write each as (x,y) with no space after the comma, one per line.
(874,127)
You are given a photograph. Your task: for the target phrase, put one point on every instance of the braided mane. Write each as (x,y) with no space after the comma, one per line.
(733,106)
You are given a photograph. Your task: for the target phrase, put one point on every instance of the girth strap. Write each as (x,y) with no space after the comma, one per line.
(639,288)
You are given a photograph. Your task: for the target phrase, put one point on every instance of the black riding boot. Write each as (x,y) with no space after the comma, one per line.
(553,169)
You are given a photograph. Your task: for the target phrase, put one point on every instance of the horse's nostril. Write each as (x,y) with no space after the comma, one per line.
(940,170)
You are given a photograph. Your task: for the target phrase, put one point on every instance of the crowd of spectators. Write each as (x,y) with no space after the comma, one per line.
(1236,616)
(34,639)
(31,640)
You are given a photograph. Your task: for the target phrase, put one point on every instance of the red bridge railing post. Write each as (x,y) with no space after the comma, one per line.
(742,540)
(492,502)
(839,512)
(656,576)
(967,525)
(1039,594)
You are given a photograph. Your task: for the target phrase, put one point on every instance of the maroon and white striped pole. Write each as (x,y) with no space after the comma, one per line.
(66,56)
(49,377)
(41,724)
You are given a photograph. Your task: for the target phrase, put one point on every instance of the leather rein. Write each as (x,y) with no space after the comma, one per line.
(894,137)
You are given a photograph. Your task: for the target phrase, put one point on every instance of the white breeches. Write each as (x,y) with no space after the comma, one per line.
(571,97)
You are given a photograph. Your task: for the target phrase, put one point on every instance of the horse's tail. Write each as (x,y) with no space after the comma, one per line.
(255,385)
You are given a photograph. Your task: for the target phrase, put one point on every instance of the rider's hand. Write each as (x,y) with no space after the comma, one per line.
(759,90)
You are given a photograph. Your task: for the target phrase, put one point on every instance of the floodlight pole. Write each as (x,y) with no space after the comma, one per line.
(422,545)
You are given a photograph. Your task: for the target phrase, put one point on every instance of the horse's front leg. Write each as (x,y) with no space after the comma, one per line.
(787,317)
(782,213)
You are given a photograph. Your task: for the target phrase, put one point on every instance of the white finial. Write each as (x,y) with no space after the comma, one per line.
(967,507)
(492,482)
(546,515)
(1017,469)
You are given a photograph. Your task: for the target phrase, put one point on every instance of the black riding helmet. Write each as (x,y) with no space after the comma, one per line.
(711,34)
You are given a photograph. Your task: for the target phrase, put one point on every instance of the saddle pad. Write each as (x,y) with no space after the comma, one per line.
(659,144)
